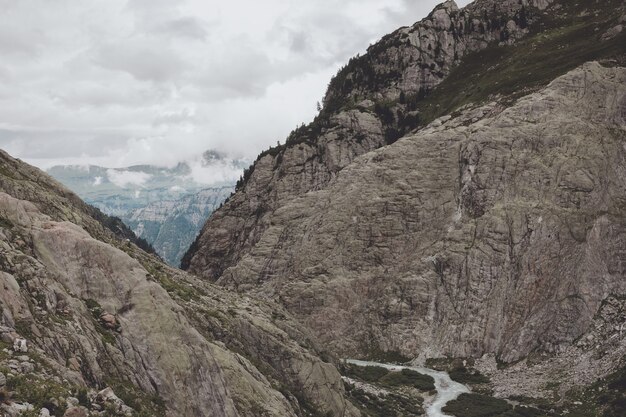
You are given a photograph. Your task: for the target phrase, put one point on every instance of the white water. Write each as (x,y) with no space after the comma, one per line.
(447,389)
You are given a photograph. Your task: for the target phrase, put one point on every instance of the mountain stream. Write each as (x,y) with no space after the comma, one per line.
(447,389)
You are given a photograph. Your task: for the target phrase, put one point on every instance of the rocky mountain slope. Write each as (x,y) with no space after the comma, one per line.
(375,100)
(490,223)
(171,226)
(92,324)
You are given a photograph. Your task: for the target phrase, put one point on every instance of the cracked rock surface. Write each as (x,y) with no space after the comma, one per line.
(82,310)
(498,231)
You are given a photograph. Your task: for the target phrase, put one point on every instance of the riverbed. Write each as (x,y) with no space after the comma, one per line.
(447,389)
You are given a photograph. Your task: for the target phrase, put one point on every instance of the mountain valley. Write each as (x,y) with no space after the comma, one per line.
(446,238)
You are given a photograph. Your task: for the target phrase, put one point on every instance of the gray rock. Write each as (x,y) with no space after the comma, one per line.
(20,345)
(75,412)
(75,263)
(446,242)
(27,367)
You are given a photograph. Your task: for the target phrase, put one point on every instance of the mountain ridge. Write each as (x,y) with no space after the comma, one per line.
(87,313)
(313,154)
(127,193)
(476,218)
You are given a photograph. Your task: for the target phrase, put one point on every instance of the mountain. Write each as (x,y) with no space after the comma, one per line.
(171,226)
(117,191)
(459,196)
(91,324)
(139,194)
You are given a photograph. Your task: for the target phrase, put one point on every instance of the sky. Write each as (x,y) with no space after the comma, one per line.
(123,82)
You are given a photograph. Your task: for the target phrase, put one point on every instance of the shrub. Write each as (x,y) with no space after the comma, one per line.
(476,405)
(465,376)
(365,373)
(408,377)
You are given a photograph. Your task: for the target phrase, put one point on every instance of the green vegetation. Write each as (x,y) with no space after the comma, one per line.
(179,289)
(559,43)
(365,373)
(96,311)
(390,379)
(386,356)
(468,376)
(145,405)
(605,398)
(38,392)
(392,405)
(409,378)
(5,223)
(476,405)
(23,327)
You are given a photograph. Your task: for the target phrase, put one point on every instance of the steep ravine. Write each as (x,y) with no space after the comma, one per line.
(90,320)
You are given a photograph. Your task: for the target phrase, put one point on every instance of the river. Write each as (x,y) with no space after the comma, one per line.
(447,389)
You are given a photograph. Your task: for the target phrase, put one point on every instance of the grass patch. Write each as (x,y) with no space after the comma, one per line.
(106,336)
(604,398)
(38,392)
(175,288)
(386,356)
(365,373)
(468,376)
(145,405)
(385,377)
(556,45)
(408,377)
(476,405)
(392,405)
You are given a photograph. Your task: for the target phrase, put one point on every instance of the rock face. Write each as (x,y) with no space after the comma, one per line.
(95,311)
(500,235)
(171,226)
(394,89)
(495,229)
(403,66)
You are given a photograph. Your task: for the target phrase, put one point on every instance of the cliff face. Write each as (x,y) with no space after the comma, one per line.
(450,59)
(370,103)
(496,228)
(499,230)
(82,310)
(171,226)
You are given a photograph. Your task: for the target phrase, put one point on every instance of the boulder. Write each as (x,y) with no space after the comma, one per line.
(76,412)
(20,345)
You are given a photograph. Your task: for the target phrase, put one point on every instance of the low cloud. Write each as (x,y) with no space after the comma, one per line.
(124,179)
(216,173)
(125,82)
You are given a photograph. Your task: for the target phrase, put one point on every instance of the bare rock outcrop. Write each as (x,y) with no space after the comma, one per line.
(404,66)
(500,230)
(88,310)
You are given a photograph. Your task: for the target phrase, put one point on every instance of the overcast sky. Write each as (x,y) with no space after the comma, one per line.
(121,82)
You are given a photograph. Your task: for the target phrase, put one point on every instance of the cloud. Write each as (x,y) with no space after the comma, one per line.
(185,27)
(126,82)
(125,178)
(143,60)
(216,172)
